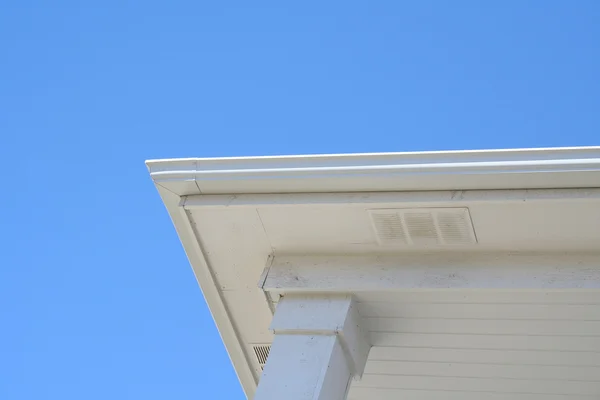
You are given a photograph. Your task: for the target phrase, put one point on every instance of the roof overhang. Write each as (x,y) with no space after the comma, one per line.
(235,215)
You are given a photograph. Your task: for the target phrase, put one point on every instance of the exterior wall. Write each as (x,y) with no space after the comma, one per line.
(481,344)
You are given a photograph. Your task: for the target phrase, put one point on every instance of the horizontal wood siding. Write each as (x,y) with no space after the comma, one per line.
(497,345)
(491,342)
(485,326)
(477,370)
(484,296)
(498,385)
(483,356)
(538,312)
(363,393)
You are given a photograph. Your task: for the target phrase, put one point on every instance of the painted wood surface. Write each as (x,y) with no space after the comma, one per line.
(481,344)
(434,271)
(305,367)
(319,345)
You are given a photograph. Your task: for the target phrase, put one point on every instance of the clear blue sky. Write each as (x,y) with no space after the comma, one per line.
(97,300)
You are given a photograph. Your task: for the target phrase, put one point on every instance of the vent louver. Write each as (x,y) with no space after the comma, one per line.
(423,227)
(389,228)
(262,353)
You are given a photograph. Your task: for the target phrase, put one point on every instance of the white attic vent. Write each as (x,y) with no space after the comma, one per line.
(261,351)
(423,226)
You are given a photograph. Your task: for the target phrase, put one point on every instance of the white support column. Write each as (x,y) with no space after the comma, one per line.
(319,346)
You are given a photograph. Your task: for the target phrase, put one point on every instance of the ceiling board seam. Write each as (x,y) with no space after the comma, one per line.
(262,224)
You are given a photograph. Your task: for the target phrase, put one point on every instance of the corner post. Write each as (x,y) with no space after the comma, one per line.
(320,345)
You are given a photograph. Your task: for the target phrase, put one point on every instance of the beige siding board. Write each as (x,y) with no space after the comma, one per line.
(499,342)
(482,311)
(475,296)
(466,370)
(474,344)
(361,393)
(502,357)
(481,385)
(484,326)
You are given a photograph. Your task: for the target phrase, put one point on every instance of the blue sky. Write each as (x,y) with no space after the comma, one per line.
(97,299)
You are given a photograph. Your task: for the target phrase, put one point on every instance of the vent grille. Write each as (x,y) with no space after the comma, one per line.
(455,227)
(262,353)
(389,228)
(423,227)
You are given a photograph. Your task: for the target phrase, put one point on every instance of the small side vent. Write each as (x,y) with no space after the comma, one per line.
(262,353)
(423,227)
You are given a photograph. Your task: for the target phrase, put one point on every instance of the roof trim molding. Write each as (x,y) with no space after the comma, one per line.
(458,170)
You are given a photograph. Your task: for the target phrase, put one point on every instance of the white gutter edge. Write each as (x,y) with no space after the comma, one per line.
(383,165)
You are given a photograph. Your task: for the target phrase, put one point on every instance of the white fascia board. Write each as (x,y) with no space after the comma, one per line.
(456,170)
